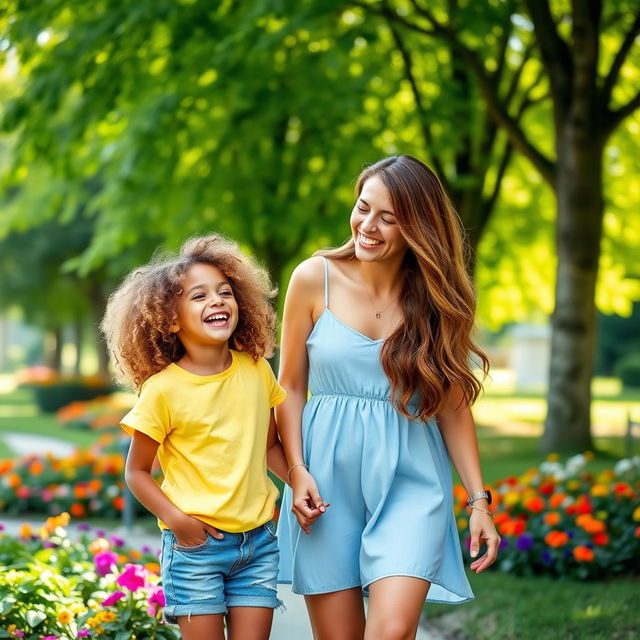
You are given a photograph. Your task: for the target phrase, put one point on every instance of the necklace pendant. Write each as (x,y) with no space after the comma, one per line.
(378,316)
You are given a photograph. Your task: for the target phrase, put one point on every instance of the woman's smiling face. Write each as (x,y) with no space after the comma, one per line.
(374,225)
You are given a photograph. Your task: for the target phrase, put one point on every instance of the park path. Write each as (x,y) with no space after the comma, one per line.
(293,624)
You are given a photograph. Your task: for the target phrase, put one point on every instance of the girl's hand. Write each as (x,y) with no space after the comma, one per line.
(307,505)
(481,528)
(191,532)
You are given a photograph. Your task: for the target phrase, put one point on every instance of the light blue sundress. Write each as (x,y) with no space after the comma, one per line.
(388,479)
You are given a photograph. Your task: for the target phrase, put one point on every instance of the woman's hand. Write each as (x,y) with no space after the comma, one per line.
(191,532)
(481,528)
(307,505)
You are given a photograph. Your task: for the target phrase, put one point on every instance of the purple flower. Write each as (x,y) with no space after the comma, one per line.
(83,526)
(132,577)
(504,543)
(546,557)
(1,527)
(524,542)
(84,633)
(112,599)
(47,544)
(105,561)
(116,541)
(146,549)
(100,533)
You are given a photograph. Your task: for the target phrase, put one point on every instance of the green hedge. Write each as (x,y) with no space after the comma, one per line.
(628,370)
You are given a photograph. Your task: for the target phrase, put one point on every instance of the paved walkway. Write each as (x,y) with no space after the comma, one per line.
(293,624)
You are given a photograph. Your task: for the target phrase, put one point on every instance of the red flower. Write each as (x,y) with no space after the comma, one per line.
(547,488)
(583,554)
(535,504)
(601,539)
(556,538)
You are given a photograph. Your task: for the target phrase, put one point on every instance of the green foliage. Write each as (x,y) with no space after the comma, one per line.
(57,587)
(628,370)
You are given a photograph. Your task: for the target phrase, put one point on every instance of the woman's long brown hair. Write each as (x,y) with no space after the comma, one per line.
(431,351)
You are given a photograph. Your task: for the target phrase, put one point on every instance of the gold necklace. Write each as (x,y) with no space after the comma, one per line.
(378,313)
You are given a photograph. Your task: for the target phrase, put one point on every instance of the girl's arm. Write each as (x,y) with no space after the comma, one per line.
(189,531)
(276,460)
(305,288)
(459,433)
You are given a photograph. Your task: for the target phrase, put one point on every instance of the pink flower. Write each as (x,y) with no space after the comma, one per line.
(50,638)
(18,633)
(156,600)
(105,561)
(84,633)
(132,577)
(112,599)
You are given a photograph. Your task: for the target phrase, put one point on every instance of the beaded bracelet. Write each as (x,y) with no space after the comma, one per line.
(300,464)
(482,510)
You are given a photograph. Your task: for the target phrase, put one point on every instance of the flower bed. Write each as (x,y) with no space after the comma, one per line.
(562,520)
(97,414)
(57,589)
(86,483)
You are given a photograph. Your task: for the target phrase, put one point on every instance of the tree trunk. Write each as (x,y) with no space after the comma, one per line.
(579,230)
(53,348)
(78,335)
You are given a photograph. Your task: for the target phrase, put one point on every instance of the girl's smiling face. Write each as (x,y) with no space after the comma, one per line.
(206,310)
(374,226)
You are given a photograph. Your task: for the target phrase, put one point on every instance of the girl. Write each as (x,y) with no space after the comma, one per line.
(380,330)
(191,335)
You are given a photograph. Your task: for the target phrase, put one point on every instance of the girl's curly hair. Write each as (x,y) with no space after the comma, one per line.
(141,311)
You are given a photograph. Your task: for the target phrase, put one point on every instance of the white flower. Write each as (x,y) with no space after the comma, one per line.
(622,466)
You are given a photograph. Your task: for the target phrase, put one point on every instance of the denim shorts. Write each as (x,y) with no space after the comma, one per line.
(238,571)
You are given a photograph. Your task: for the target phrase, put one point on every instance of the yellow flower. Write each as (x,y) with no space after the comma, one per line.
(602,515)
(599,491)
(573,485)
(93,622)
(43,532)
(553,457)
(78,608)
(462,524)
(105,616)
(26,531)
(65,616)
(588,456)
(636,514)
(510,498)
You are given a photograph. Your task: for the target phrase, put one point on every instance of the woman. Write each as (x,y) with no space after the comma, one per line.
(379,330)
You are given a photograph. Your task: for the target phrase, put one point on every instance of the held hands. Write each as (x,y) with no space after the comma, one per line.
(191,532)
(307,505)
(481,528)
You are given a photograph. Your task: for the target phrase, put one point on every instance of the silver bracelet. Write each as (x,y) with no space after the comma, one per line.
(300,464)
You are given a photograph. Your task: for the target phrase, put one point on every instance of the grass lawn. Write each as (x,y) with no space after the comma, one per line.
(19,414)
(510,608)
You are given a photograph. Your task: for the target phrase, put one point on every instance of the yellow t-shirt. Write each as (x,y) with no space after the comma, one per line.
(212,432)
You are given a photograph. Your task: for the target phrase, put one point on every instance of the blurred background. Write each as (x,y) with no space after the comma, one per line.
(129,125)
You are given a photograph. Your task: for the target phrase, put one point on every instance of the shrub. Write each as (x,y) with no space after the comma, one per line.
(561,520)
(58,589)
(628,370)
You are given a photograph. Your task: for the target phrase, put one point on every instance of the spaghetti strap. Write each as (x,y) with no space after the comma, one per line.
(326,282)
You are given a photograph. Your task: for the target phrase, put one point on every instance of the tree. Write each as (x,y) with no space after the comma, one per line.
(584,50)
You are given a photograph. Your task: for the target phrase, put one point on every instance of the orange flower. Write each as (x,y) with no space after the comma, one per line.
(556,538)
(557,499)
(590,524)
(153,567)
(5,465)
(512,527)
(601,539)
(134,554)
(80,492)
(118,503)
(98,545)
(583,554)
(36,468)
(535,504)
(500,518)
(95,485)
(26,531)
(552,518)
(77,510)
(599,490)
(14,480)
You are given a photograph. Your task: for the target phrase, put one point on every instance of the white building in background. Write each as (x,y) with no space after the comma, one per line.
(530,356)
